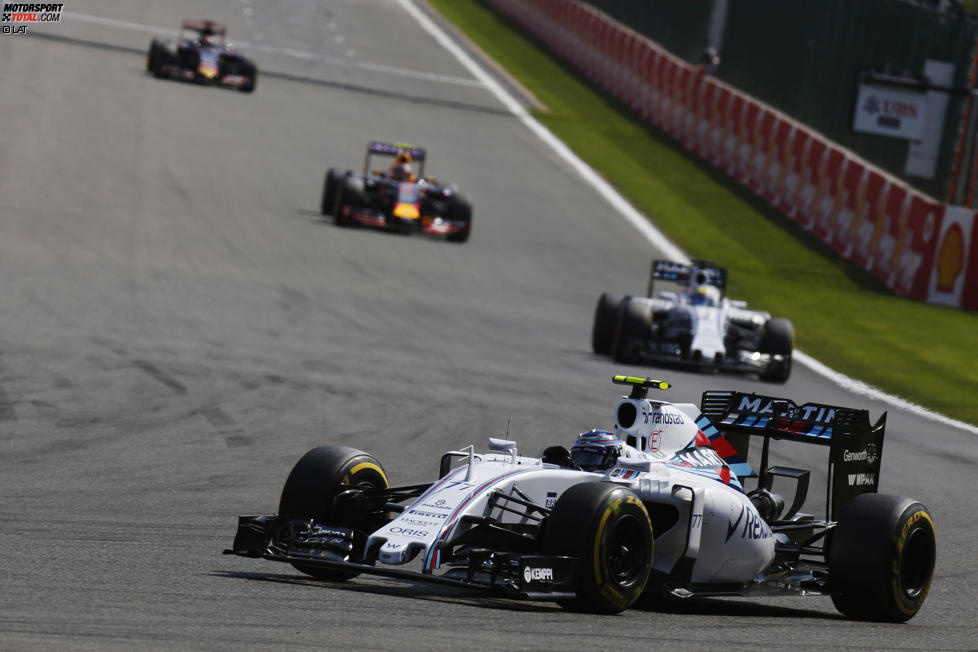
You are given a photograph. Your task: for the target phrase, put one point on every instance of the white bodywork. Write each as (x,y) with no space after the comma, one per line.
(709,322)
(716,526)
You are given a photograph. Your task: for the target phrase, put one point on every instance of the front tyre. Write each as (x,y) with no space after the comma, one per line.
(605,323)
(330,185)
(607,527)
(313,483)
(881,558)
(633,329)
(778,339)
(459,210)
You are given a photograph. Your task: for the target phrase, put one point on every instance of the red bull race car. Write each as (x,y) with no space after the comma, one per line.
(658,507)
(201,55)
(396,198)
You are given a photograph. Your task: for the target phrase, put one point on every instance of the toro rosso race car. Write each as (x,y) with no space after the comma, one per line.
(697,327)
(398,198)
(201,55)
(658,507)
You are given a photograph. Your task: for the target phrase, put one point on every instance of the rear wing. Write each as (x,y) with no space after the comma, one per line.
(855,444)
(697,272)
(417,154)
(200,26)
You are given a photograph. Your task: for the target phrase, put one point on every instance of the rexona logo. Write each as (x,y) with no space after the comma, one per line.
(808,412)
(538,574)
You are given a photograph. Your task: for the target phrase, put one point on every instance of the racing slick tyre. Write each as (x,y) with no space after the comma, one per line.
(330,185)
(605,323)
(151,56)
(314,482)
(607,527)
(250,72)
(350,195)
(634,320)
(459,210)
(881,558)
(778,339)
(154,59)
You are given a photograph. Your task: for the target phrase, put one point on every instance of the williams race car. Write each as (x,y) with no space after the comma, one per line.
(696,327)
(398,198)
(201,55)
(656,509)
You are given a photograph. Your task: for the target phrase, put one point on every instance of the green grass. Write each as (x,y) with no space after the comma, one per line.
(843,316)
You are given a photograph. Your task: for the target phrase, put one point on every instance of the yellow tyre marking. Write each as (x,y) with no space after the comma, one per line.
(366,465)
(895,576)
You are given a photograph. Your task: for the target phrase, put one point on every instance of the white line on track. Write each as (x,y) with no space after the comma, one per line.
(639,221)
(288,52)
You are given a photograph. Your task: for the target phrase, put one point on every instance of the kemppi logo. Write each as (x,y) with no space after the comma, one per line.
(538,574)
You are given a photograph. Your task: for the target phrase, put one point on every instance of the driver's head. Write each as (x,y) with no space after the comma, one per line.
(401,170)
(705,295)
(596,450)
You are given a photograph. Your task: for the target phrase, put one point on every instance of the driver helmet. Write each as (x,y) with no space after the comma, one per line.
(596,450)
(401,170)
(208,36)
(705,295)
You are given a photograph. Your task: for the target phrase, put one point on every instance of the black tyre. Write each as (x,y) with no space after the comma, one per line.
(330,185)
(608,528)
(633,328)
(778,339)
(350,195)
(459,210)
(151,56)
(605,323)
(881,558)
(250,72)
(313,483)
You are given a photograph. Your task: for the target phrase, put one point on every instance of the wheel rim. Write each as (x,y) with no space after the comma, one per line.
(917,563)
(627,552)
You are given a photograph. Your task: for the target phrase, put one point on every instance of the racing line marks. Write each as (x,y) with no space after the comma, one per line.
(639,221)
(160,376)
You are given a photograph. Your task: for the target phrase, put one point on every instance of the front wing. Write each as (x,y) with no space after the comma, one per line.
(515,575)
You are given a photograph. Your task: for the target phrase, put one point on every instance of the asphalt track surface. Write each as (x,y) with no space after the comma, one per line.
(180,325)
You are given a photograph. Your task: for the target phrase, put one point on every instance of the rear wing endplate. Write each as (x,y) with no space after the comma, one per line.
(855,444)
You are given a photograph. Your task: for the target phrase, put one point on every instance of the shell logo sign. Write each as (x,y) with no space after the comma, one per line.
(949,275)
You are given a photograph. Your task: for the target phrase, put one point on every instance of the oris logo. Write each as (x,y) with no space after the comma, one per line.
(538,574)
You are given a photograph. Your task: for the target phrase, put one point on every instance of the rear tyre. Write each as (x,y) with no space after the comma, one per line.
(607,527)
(459,210)
(349,196)
(634,323)
(778,339)
(313,483)
(330,185)
(605,323)
(881,558)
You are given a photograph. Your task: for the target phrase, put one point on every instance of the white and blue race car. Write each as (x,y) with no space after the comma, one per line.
(657,507)
(696,327)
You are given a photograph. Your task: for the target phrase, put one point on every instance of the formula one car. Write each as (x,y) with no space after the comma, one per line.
(397,199)
(697,327)
(658,508)
(201,55)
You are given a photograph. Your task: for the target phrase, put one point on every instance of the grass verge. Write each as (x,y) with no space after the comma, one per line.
(843,316)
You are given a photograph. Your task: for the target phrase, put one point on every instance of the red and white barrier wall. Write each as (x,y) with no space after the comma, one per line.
(919,247)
